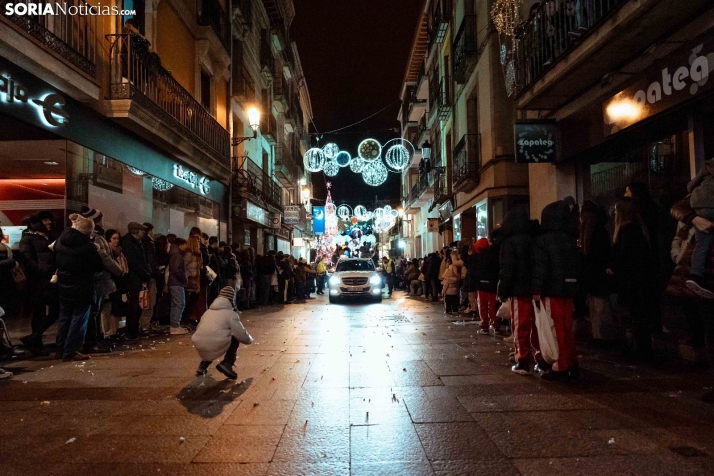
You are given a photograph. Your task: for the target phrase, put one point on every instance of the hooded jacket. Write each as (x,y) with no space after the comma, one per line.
(218,324)
(77,262)
(450,281)
(556,258)
(177,267)
(516,238)
(701,187)
(484,270)
(35,255)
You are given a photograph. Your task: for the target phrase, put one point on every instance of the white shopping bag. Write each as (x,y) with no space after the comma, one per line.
(504,312)
(546,331)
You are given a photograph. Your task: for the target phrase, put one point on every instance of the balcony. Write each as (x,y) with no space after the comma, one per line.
(243,84)
(442,193)
(465,49)
(417,107)
(440,99)
(71,37)
(286,169)
(567,47)
(269,128)
(145,96)
(252,183)
(422,191)
(242,16)
(466,163)
(211,13)
(280,91)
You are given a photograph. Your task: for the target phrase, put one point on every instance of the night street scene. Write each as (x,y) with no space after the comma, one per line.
(367,237)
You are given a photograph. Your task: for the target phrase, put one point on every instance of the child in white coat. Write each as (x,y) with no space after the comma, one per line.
(219,332)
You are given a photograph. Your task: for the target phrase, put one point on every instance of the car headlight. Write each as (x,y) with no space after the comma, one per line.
(375,279)
(334,280)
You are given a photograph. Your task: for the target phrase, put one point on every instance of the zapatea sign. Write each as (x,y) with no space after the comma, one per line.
(678,77)
(535,141)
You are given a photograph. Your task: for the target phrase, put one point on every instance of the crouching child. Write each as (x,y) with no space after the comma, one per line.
(219,332)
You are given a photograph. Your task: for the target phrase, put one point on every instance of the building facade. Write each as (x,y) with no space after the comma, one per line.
(454,98)
(133,115)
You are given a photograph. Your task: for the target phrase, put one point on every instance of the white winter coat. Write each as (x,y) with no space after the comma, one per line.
(218,324)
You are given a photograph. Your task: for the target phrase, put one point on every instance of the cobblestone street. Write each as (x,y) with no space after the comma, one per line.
(391,388)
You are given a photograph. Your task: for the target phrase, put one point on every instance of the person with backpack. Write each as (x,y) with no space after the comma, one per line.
(555,274)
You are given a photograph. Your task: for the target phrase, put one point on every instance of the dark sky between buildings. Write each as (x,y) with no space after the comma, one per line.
(354,54)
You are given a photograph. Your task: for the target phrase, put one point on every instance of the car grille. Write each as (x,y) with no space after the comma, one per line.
(355,281)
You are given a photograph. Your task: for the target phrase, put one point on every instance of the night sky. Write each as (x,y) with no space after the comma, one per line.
(354,54)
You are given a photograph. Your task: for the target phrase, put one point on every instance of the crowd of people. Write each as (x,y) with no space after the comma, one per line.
(89,280)
(568,265)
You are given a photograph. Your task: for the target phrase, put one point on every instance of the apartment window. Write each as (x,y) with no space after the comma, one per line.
(206,91)
(138,20)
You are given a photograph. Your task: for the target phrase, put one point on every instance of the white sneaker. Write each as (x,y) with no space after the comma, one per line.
(5,374)
(178,331)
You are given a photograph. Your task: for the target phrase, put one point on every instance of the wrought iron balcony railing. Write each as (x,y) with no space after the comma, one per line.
(137,74)
(211,13)
(441,189)
(251,182)
(440,99)
(465,49)
(467,159)
(285,162)
(552,29)
(71,37)
(269,127)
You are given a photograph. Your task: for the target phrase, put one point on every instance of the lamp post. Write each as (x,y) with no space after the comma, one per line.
(254,122)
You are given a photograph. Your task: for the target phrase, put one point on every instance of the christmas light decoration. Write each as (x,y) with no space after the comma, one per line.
(375,174)
(343,159)
(331,168)
(161,185)
(360,212)
(344,212)
(330,151)
(314,160)
(357,165)
(369,150)
(135,171)
(505,16)
(399,154)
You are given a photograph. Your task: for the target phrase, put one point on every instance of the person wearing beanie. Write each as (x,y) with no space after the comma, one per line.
(35,255)
(77,262)
(104,285)
(219,333)
(139,273)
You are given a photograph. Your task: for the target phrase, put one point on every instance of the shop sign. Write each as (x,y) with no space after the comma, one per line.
(275,219)
(678,77)
(282,233)
(192,179)
(318,220)
(292,215)
(445,210)
(432,225)
(257,214)
(49,105)
(535,141)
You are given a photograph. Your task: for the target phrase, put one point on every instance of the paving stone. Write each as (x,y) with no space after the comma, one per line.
(314,444)
(456,441)
(393,443)
(241,444)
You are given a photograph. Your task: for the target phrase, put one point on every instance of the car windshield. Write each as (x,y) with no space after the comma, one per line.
(354,265)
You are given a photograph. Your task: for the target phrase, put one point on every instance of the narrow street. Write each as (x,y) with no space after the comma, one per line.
(389,389)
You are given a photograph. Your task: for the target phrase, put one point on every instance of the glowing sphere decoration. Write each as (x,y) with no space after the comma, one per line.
(344,212)
(343,158)
(330,151)
(360,212)
(399,154)
(331,168)
(369,150)
(357,165)
(314,160)
(375,174)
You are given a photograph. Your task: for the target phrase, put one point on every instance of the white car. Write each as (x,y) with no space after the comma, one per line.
(355,277)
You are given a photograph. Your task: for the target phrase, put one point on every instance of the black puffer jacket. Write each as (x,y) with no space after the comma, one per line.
(139,271)
(556,258)
(516,238)
(486,270)
(147,243)
(38,259)
(77,261)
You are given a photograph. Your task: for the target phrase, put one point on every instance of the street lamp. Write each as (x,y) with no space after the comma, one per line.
(254,122)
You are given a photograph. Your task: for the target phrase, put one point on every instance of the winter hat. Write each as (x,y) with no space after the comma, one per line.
(230,294)
(92,214)
(135,227)
(35,224)
(480,245)
(81,224)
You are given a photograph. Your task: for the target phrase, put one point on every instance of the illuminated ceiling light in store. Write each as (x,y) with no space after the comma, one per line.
(51,162)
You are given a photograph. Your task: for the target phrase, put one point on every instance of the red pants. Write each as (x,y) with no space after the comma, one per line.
(487,308)
(561,311)
(525,334)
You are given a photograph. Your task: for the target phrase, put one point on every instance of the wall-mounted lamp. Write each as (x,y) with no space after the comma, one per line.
(254,122)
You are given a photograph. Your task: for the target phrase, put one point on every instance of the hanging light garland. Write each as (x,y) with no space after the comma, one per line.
(357,165)
(331,168)
(369,150)
(330,151)
(135,171)
(343,159)
(375,174)
(506,17)
(161,185)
